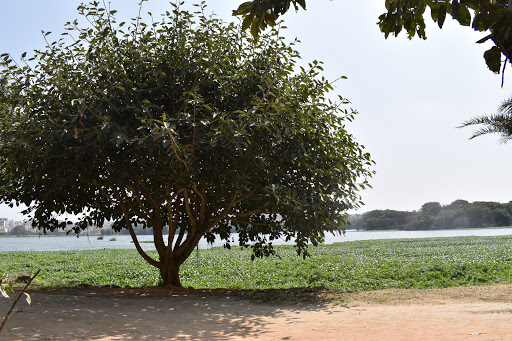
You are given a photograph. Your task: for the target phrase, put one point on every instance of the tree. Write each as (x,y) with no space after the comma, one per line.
(185,122)
(500,217)
(451,218)
(382,220)
(19,230)
(420,221)
(476,215)
(431,208)
(458,204)
(3,94)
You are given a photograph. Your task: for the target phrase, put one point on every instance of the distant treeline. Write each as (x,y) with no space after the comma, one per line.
(434,216)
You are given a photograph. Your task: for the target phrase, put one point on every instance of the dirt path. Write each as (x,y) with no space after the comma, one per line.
(478,314)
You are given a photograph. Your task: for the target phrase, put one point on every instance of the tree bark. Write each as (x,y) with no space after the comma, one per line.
(170,266)
(170,273)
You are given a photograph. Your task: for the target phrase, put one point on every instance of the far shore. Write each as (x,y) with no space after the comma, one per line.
(63,234)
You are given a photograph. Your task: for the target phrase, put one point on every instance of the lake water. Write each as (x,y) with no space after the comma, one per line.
(69,243)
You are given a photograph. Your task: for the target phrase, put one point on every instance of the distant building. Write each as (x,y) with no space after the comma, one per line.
(7,225)
(3,225)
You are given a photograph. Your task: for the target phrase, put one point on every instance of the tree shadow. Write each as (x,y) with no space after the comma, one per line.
(494,311)
(122,315)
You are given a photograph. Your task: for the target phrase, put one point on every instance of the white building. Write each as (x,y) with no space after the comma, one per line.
(3,225)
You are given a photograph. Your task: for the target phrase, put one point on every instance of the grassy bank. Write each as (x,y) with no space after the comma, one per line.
(362,265)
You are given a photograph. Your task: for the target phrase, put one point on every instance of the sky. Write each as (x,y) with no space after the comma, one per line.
(411,95)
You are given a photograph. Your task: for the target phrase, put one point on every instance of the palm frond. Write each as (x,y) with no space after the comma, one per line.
(499,123)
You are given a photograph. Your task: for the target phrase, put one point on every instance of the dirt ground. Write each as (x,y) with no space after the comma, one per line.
(473,313)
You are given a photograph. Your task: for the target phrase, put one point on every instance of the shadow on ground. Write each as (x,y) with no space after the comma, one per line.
(152,314)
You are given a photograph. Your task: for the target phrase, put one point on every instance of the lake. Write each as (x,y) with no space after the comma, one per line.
(70,243)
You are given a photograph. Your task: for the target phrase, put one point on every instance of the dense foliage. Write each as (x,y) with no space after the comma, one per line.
(433,216)
(186,123)
(258,14)
(362,265)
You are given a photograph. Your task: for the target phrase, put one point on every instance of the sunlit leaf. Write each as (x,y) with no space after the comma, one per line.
(27,297)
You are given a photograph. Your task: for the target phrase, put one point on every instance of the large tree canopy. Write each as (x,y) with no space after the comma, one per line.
(186,123)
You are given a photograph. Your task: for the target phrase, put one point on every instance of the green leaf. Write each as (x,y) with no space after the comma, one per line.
(493,59)
(256,25)
(5,287)
(302,3)
(479,23)
(434,13)
(441,16)
(464,16)
(244,8)
(270,18)
(247,21)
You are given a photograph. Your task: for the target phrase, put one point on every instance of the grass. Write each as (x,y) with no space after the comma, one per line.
(362,265)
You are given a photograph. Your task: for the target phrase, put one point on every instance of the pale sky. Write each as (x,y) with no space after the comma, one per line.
(410,95)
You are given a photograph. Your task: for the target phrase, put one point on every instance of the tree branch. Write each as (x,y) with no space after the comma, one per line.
(158,237)
(171,218)
(180,238)
(225,211)
(202,202)
(129,226)
(191,217)
(175,149)
(246,214)
(4,319)
(139,201)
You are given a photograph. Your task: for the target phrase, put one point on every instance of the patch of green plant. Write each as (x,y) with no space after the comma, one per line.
(5,286)
(89,267)
(361,265)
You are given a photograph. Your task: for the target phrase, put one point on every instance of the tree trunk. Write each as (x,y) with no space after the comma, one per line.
(170,263)
(171,274)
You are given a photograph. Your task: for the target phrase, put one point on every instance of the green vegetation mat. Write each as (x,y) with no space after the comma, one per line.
(361,265)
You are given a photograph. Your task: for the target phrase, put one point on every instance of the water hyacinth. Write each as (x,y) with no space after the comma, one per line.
(361,265)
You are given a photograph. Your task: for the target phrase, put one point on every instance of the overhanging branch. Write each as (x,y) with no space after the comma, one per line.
(126,215)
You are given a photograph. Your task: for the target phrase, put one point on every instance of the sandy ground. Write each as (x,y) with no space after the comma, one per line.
(477,313)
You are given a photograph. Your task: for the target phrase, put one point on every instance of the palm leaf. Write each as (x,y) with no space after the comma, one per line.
(499,123)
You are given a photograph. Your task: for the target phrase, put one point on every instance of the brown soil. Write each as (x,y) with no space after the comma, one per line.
(470,313)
